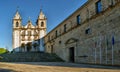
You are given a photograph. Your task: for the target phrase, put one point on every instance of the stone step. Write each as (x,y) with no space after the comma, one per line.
(30,57)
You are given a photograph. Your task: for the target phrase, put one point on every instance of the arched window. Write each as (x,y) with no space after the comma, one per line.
(23,33)
(17,24)
(42,24)
(29,33)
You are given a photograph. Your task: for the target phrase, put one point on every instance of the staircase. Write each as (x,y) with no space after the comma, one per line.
(30,57)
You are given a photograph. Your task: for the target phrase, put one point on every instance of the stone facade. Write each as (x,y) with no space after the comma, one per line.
(28,38)
(90,35)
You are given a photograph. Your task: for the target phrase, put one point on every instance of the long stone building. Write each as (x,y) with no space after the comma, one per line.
(29,37)
(90,35)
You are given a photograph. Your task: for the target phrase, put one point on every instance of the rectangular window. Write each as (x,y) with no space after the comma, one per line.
(56,33)
(78,19)
(65,28)
(110,2)
(88,31)
(29,33)
(98,6)
(59,42)
(48,38)
(52,37)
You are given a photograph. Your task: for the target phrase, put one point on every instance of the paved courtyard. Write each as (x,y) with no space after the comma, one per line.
(54,67)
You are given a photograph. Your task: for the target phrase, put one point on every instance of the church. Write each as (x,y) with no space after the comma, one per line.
(28,38)
(89,35)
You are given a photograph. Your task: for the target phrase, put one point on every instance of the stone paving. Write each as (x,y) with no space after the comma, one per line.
(54,67)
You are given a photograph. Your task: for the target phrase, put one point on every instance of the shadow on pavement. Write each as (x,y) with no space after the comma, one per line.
(75,65)
(6,70)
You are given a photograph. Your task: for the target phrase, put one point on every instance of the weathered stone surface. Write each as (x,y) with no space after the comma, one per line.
(94,47)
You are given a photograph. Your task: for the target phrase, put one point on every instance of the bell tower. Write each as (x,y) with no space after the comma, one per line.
(16,31)
(17,20)
(41,25)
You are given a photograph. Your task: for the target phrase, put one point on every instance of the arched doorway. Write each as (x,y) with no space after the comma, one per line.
(29,47)
(71,45)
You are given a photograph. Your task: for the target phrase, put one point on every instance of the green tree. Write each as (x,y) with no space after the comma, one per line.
(3,50)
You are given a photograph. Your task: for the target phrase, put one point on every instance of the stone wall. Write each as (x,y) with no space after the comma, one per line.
(95,40)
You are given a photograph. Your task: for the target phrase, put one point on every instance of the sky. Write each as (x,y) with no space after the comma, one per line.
(55,10)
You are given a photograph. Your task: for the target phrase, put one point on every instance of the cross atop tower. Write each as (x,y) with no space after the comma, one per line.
(17,15)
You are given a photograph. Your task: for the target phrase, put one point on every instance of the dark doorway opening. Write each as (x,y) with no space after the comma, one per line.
(29,47)
(71,54)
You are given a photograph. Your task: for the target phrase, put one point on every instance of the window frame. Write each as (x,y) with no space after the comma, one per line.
(56,34)
(65,27)
(49,38)
(98,7)
(78,17)
(88,31)
(17,24)
(42,24)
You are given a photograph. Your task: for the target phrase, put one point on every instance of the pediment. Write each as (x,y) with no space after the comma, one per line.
(71,40)
(29,25)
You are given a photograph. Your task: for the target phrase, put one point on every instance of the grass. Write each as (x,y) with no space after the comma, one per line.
(2,50)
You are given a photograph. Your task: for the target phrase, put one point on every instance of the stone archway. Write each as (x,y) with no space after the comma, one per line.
(71,49)
(71,40)
(29,47)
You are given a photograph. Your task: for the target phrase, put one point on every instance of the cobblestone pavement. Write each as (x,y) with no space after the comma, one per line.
(54,67)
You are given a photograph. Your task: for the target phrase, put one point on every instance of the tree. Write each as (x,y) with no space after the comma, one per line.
(3,50)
